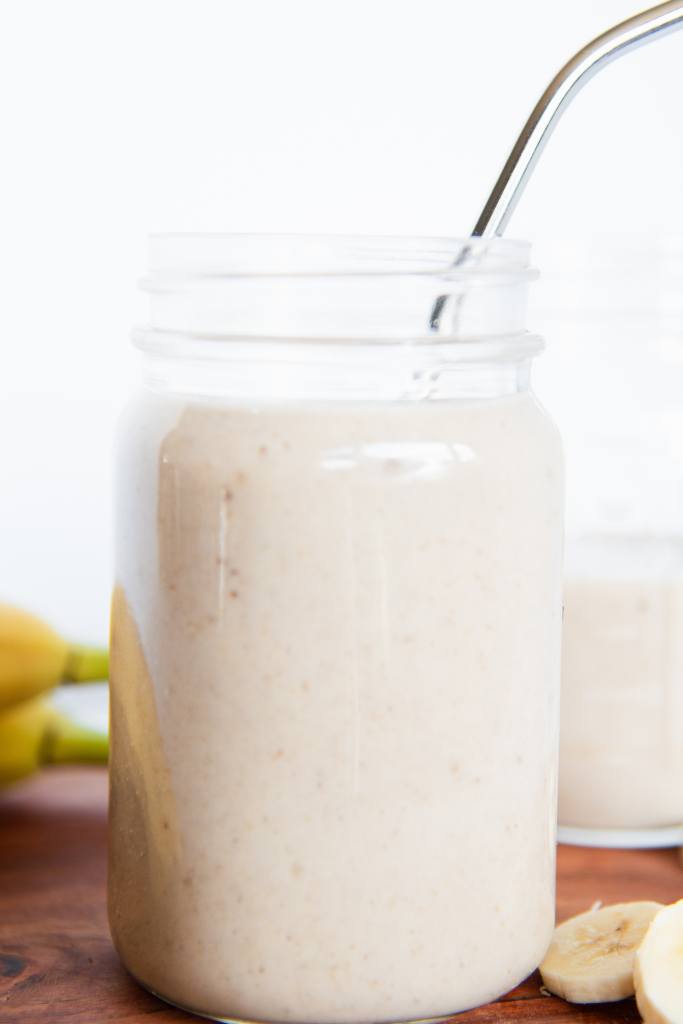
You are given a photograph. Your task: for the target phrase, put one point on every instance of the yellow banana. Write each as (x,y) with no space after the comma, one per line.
(34,658)
(35,734)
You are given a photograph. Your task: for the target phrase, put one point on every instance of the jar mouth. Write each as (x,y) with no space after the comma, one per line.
(336,287)
(177,256)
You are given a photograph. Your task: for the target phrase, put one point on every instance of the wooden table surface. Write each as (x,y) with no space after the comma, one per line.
(57,965)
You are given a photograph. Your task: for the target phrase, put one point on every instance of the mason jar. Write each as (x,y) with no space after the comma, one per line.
(616,306)
(335,632)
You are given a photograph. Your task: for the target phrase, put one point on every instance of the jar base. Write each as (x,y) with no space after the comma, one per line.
(248,1020)
(622,838)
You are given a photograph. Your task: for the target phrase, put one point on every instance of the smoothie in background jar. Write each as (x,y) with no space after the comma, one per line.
(621,749)
(613,311)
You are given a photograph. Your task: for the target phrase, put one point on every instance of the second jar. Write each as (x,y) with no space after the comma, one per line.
(614,376)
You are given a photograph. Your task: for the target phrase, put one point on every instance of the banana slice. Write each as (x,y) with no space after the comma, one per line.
(590,959)
(658,971)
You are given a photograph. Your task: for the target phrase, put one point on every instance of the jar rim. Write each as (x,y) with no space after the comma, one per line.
(335,287)
(196,256)
(207,347)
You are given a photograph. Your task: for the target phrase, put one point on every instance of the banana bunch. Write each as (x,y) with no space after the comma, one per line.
(33,660)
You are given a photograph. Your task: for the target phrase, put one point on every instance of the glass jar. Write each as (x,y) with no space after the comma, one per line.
(335,632)
(616,305)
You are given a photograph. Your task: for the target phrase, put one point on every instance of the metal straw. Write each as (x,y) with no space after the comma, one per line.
(613,43)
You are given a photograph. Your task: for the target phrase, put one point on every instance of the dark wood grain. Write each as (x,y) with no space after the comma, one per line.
(57,964)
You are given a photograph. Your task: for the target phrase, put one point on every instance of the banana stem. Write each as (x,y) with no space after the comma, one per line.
(85,664)
(69,743)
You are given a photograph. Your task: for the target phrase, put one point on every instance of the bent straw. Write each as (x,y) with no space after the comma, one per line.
(512,180)
(605,48)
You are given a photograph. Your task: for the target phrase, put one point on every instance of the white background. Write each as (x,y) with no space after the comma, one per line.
(388,116)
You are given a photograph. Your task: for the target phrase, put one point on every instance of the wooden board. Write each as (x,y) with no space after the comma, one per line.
(57,964)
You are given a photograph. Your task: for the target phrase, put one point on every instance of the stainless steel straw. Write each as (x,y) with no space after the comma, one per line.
(613,43)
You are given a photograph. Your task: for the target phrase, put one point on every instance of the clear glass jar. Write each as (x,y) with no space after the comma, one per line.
(335,632)
(616,305)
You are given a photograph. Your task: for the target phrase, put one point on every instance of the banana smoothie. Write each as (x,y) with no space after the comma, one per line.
(335,662)
(621,744)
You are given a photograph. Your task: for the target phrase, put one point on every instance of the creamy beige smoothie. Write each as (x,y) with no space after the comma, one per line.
(621,742)
(335,662)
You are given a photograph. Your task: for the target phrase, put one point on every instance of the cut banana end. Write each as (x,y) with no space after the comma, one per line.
(658,971)
(591,956)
